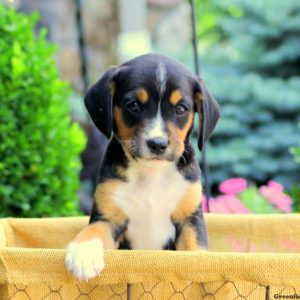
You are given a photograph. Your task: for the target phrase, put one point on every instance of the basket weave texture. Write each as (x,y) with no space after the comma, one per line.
(250,257)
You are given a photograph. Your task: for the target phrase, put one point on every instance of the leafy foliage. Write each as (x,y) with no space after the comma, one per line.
(39,146)
(253,70)
(295,191)
(296,152)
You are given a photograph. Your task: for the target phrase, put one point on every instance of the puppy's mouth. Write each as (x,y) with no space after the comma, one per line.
(150,158)
(155,161)
(159,158)
(156,158)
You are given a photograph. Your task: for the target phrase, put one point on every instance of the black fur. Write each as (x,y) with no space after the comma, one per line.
(125,245)
(113,158)
(98,101)
(170,245)
(196,219)
(188,165)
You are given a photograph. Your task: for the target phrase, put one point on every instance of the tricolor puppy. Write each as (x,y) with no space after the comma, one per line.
(149,191)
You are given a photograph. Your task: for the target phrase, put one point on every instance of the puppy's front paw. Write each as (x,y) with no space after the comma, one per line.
(85,259)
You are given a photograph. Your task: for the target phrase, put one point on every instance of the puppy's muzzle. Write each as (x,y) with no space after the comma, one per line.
(157,146)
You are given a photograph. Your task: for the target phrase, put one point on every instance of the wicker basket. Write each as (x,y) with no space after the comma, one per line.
(251,257)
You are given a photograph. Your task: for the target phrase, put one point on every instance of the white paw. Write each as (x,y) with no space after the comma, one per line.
(85,260)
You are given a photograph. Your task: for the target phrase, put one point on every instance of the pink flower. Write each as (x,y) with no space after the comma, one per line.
(233,186)
(227,204)
(213,205)
(275,185)
(218,207)
(273,192)
(233,204)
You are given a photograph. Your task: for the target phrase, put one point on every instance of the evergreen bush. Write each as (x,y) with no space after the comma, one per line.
(39,146)
(253,69)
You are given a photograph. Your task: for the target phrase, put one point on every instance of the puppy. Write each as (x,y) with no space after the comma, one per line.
(149,193)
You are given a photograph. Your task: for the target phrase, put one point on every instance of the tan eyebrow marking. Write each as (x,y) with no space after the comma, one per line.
(142,95)
(175,97)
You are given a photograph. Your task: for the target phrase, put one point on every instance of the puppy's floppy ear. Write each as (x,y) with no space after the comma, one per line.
(208,110)
(98,102)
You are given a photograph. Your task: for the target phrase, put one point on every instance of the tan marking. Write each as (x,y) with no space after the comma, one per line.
(178,135)
(142,95)
(175,97)
(189,203)
(125,133)
(97,230)
(121,171)
(187,241)
(103,230)
(105,203)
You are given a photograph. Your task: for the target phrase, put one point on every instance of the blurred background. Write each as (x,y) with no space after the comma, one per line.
(51,51)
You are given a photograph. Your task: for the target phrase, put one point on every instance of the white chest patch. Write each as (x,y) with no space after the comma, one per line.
(148,198)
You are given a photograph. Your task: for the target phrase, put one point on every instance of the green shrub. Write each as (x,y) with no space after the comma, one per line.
(296,152)
(295,192)
(253,70)
(39,146)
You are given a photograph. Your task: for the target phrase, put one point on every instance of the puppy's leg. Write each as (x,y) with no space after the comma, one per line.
(188,218)
(192,235)
(84,257)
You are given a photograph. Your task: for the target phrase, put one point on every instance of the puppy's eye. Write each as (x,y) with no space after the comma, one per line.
(134,107)
(180,109)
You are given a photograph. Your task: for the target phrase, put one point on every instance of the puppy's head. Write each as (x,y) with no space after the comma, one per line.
(149,104)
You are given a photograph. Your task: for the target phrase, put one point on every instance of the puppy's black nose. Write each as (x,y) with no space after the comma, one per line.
(157,145)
